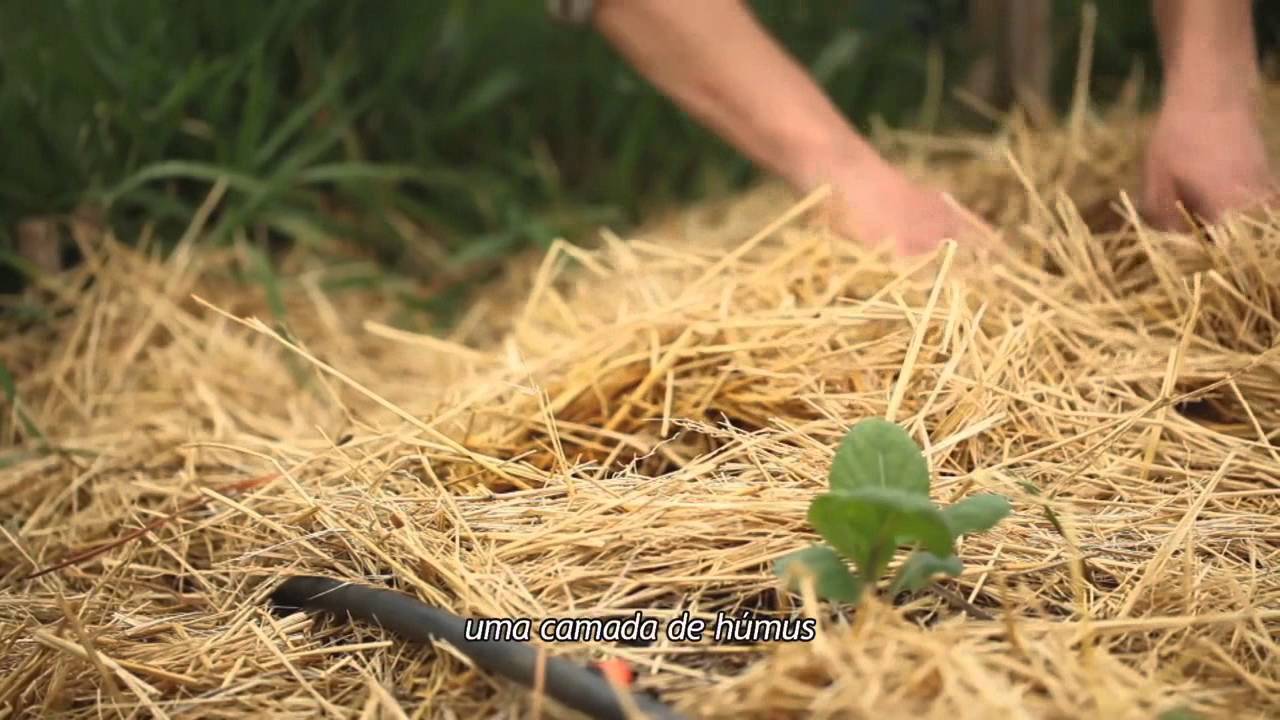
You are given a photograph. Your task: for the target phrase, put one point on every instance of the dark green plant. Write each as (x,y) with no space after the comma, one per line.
(481,126)
(878,503)
(15,406)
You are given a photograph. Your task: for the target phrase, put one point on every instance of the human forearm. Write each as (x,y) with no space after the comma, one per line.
(714,60)
(1208,51)
(1207,156)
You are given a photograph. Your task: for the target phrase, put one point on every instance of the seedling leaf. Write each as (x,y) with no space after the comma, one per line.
(919,570)
(867,525)
(879,453)
(879,502)
(911,518)
(848,526)
(975,514)
(832,579)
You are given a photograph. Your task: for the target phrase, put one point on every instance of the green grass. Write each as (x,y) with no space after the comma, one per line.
(481,125)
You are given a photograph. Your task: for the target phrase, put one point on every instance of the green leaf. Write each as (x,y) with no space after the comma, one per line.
(484,97)
(976,514)
(11,459)
(832,579)
(1052,517)
(339,172)
(878,453)
(11,394)
(19,263)
(266,275)
(911,519)
(839,53)
(180,169)
(920,569)
(1049,514)
(867,524)
(304,113)
(849,526)
(257,107)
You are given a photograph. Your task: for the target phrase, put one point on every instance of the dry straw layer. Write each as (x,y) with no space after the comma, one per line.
(642,426)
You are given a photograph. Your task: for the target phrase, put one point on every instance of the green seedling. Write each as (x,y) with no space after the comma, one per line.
(878,503)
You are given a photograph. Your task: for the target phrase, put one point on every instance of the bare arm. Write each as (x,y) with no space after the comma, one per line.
(1208,50)
(716,62)
(1206,154)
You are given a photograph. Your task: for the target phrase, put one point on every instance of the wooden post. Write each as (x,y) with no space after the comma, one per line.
(1014,60)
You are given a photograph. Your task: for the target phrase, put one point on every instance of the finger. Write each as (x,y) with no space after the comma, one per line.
(1160,206)
(1215,200)
(970,222)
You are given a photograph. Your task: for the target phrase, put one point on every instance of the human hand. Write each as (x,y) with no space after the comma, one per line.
(879,204)
(1212,159)
(718,63)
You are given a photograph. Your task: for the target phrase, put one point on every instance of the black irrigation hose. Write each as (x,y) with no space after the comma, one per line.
(569,683)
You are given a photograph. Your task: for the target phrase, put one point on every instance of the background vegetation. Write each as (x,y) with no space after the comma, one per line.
(475,128)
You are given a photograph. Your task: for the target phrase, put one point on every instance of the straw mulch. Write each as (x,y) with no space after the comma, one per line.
(642,427)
